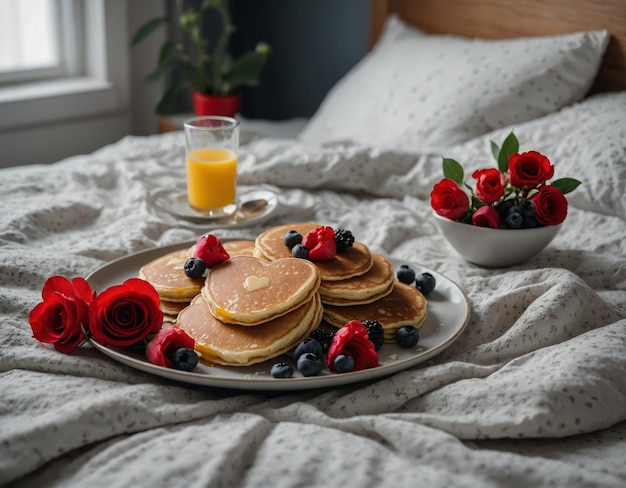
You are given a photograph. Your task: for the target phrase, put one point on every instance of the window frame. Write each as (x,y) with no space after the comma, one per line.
(99,85)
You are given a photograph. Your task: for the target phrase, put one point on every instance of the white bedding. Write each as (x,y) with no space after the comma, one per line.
(532,394)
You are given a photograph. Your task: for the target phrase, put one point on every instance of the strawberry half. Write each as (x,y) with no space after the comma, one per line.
(352,339)
(320,243)
(210,250)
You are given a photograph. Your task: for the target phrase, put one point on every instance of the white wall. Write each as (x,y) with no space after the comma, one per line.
(115,103)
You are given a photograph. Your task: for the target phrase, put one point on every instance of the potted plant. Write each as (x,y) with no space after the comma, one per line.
(204,68)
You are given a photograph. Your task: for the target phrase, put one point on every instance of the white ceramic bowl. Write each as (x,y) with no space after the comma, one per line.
(495,248)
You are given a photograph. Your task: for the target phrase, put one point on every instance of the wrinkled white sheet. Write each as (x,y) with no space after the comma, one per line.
(532,394)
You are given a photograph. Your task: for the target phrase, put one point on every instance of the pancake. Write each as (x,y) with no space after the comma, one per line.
(248,291)
(233,248)
(371,286)
(236,345)
(355,261)
(405,305)
(171,309)
(167,275)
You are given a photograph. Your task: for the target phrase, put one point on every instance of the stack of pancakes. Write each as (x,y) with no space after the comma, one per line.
(355,284)
(250,310)
(262,301)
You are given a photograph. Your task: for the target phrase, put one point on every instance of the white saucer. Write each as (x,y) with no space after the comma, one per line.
(254,205)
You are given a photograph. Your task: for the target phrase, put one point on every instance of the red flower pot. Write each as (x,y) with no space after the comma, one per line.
(225,105)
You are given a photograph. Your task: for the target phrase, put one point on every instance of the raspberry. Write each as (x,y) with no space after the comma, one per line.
(344,240)
(375,333)
(324,337)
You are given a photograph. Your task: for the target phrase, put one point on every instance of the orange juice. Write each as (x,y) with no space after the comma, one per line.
(211,178)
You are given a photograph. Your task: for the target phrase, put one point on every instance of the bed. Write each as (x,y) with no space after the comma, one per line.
(531,392)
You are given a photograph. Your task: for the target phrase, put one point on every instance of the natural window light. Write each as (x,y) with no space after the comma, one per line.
(38,40)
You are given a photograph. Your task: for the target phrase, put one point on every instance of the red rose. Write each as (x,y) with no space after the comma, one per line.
(448,200)
(490,185)
(486,217)
(161,349)
(550,205)
(352,340)
(321,243)
(59,319)
(125,314)
(210,250)
(529,169)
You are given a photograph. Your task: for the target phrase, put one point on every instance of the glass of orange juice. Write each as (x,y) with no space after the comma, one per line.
(212,145)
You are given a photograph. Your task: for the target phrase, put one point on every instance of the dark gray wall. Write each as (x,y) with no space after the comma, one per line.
(314,43)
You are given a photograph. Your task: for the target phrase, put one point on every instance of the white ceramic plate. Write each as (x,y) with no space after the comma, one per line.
(254,206)
(448,315)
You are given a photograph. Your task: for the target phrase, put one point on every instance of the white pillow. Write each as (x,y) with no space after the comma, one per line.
(424,92)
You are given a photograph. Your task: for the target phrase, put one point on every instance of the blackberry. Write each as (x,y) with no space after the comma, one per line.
(375,333)
(194,267)
(343,239)
(324,337)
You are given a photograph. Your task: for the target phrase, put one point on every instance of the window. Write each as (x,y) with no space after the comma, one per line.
(39,39)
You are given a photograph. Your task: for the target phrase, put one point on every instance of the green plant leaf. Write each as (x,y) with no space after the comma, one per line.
(246,70)
(161,71)
(509,146)
(146,29)
(453,170)
(495,150)
(170,49)
(566,185)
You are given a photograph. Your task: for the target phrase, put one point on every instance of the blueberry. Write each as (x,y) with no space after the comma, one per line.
(185,359)
(407,336)
(513,220)
(344,363)
(425,283)
(405,274)
(291,238)
(299,251)
(528,208)
(308,345)
(309,364)
(515,209)
(504,207)
(529,223)
(281,370)
(194,267)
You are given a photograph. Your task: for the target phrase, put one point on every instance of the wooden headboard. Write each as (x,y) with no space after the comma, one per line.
(505,19)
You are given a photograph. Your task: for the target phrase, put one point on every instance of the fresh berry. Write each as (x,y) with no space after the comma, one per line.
(321,243)
(352,339)
(291,238)
(530,223)
(528,208)
(425,283)
(503,208)
(324,337)
(405,274)
(281,370)
(210,249)
(344,239)
(344,363)
(375,332)
(194,267)
(407,336)
(308,345)
(185,359)
(299,251)
(309,364)
(513,220)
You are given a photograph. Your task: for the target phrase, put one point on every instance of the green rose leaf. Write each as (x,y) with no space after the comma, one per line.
(509,146)
(453,170)
(495,150)
(566,185)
